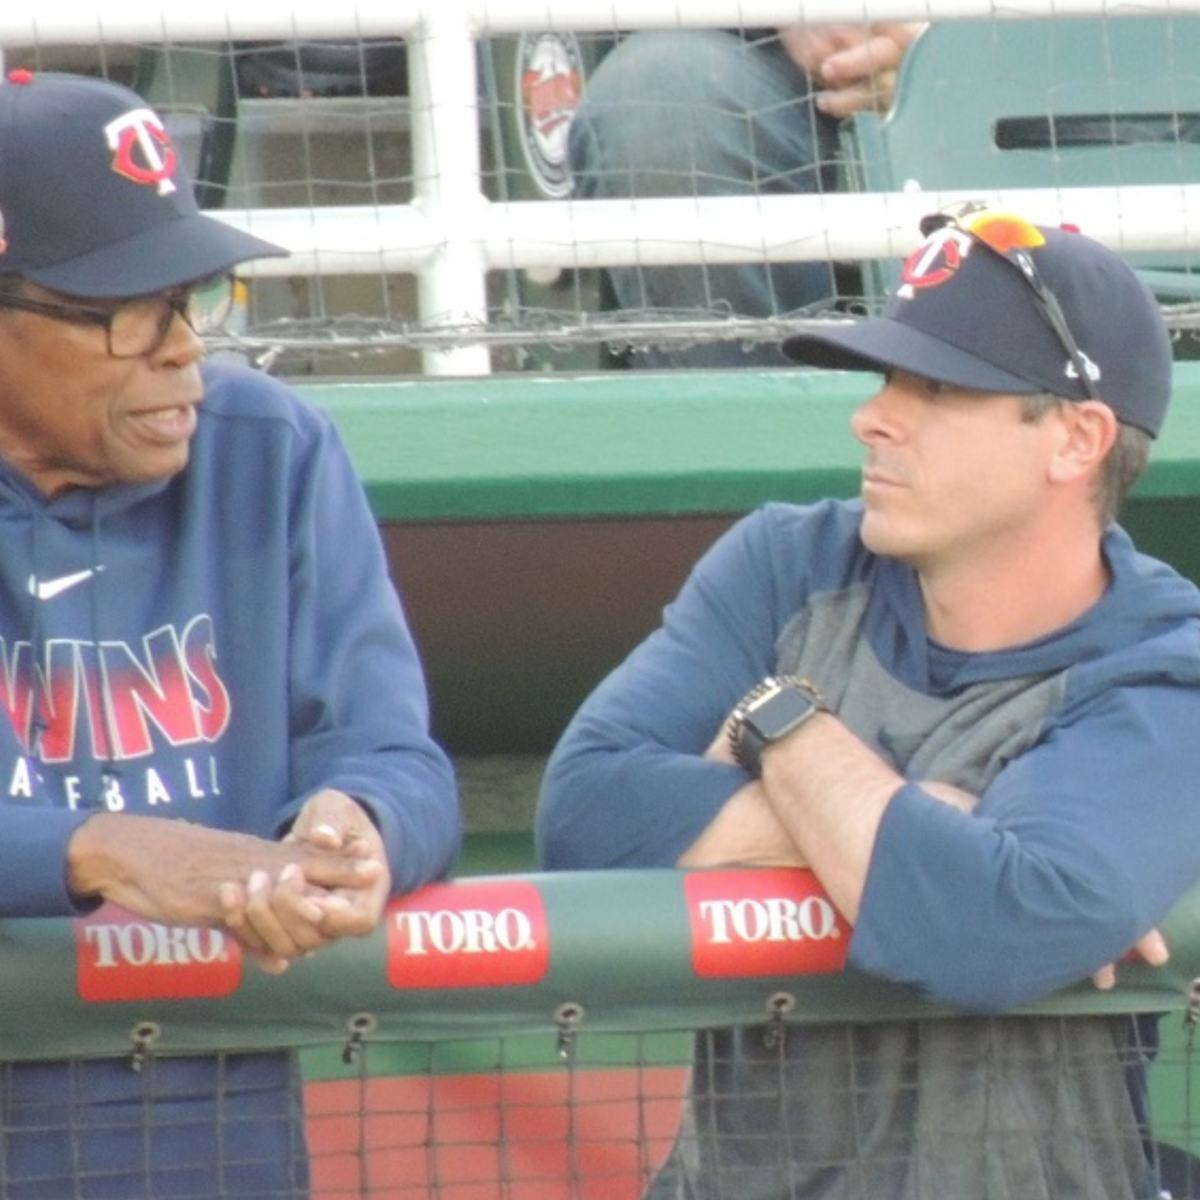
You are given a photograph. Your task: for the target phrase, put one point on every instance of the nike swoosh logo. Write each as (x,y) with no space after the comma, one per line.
(47,589)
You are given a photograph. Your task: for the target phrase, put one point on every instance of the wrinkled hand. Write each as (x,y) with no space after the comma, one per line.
(300,910)
(854,65)
(1150,947)
(178,873)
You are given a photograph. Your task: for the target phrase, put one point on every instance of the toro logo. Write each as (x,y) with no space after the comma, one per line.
(464,935)
(123,957)
(769,922)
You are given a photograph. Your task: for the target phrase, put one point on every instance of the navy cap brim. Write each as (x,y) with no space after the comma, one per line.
(193,247)
(880,344)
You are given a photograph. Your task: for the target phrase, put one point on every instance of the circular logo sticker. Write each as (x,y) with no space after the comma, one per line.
(549,82)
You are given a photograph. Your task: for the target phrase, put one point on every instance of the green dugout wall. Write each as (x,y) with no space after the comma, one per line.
(537,524)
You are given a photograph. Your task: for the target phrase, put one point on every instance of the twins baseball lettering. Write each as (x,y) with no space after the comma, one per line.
(118,697)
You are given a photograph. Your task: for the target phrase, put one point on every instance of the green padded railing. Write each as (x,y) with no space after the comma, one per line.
(604,951)
(626,443)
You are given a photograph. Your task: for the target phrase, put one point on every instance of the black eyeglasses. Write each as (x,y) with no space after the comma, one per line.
(1010,237)
(137,327)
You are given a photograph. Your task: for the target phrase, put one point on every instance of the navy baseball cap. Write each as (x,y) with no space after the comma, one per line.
(992,303)
(94,198)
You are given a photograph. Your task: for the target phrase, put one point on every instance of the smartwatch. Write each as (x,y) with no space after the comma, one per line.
(776,707)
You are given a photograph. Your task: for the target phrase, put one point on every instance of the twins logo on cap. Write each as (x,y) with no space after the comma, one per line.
(939,257)
(142,151)
(97,201)
(990,302)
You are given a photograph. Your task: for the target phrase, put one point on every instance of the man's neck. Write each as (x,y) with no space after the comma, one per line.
(1011,603)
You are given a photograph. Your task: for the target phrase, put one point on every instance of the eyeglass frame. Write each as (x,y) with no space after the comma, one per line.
(1046,302)
(177,303)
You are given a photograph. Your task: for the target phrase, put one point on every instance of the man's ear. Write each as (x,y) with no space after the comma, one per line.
(1089,429)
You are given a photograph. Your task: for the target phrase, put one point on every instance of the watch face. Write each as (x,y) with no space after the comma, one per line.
(780,711)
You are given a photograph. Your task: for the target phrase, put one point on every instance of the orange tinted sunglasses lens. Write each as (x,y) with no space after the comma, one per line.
(1004,232)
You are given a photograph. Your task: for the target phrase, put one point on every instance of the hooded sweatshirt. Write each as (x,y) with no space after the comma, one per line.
(1081,747)
(215,647)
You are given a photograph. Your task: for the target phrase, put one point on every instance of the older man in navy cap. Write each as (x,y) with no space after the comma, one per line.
(215,712)
(969,706)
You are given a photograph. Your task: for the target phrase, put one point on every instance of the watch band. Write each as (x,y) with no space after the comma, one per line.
(746,739)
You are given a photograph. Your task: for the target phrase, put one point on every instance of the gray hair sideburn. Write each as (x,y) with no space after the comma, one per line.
(1122,466)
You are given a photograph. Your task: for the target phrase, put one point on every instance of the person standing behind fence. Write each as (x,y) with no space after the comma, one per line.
(715,113)
(215,714)
(969,705)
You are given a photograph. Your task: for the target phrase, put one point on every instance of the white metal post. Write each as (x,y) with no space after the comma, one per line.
(447,181)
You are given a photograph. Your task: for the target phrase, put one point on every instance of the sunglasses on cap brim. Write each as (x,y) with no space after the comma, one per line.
(1011,238)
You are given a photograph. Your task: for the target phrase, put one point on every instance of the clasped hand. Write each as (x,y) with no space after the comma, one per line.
(280,900)
(341,892)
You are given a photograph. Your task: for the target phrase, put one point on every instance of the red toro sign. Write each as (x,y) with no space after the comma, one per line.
(770,922)
(123,957)
(468,935)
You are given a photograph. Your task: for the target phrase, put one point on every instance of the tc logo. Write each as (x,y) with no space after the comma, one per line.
(937,259)
(142,151)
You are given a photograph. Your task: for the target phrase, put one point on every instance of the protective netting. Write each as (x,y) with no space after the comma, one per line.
(601,197)
(585,1117)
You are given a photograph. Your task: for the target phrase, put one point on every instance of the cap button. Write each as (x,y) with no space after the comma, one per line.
(21,75)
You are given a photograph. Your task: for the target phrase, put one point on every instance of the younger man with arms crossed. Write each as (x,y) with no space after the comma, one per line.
(197,623)
(969,705)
